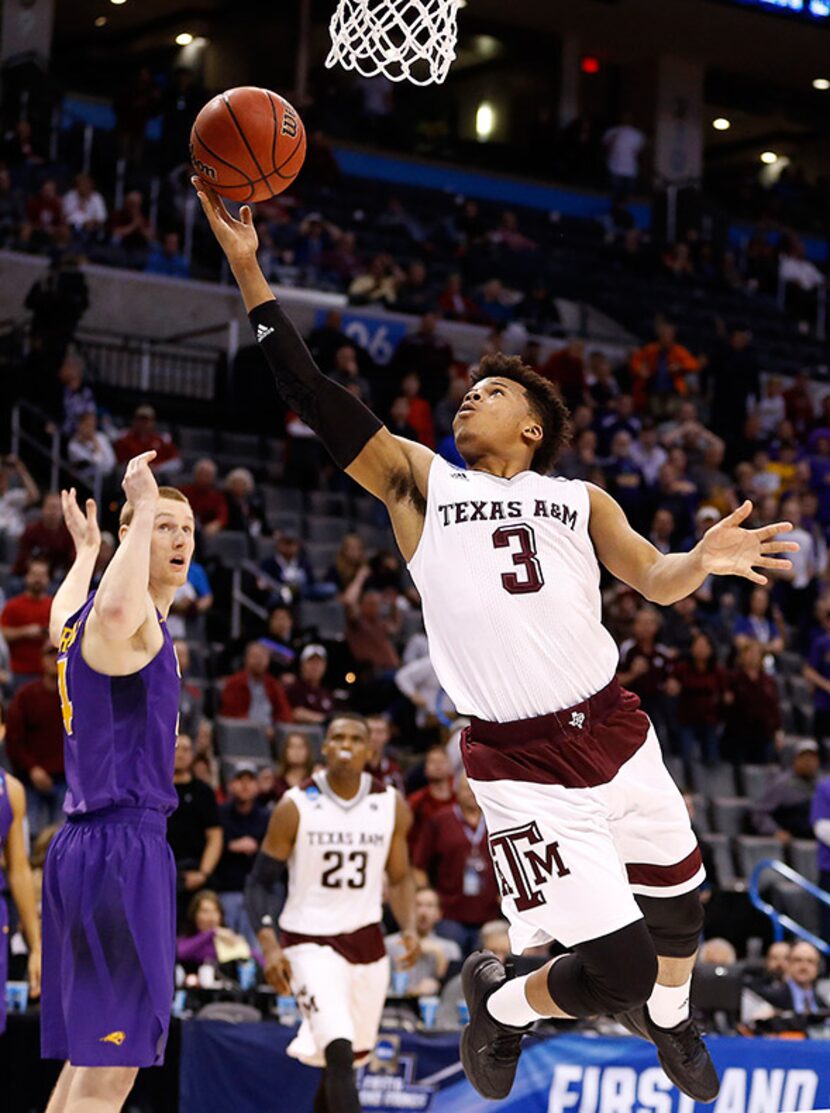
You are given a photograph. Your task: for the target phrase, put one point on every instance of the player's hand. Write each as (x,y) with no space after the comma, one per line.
(728,550)
(34,973)
(278,971)
(237,238)
(83,528)
(411,950)
(139,483)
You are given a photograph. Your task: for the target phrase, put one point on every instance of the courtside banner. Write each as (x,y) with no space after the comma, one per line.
(244,1067)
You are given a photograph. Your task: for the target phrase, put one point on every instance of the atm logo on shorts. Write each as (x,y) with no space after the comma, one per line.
(523,867)
(114,1037)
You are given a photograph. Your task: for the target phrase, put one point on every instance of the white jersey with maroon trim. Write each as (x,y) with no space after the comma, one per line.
(335,872)
(509,582)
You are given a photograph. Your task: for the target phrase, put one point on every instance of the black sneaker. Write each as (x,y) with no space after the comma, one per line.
(683,1055)
(489,1050)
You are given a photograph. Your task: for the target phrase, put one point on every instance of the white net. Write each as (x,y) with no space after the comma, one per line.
(406,40)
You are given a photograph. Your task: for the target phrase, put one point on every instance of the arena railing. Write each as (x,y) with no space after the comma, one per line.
(48,448)
(781,922)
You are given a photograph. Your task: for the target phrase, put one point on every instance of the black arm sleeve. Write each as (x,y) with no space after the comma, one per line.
(341,421)
(265,891)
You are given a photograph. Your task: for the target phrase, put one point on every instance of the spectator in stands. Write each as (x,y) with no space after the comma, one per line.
(662,531)
(623,145)
(717,952)
(191,602)
(426,977)
(799,992)
(625,480)
(566,368)
(415,293)
(136,102)
(24,623)
(820,820)
(346,372)
(57,302)
(429,355)
(644,667)
(315,240)
(12,209)
(774,974)
(45,225)
(678,262)
(496,304)
(34,743)
(816,671)
(398,419)
(396,217)
(802,281)
(619,419)
(310,700)
(445,410)
(132,230)
(144,437)
(784,808)
(796,589)
(419,415)
(732,381)
(289,567)
(253,694)
(454,304)
(246,506)
(294,763)
(699,684)
(452,850)
(90,450)
(437,793)
(244,824)
(193,830)
(350,559)
(166,258)
(509,236)
(15,500)
(382,765)
(191,700)
(326,339)
(84,210)
(418,681)
(378,284)
(762,623)
(209,505)
(659,371)
(753,713)
(281,639)
(78,395)
(368,633)
(206,938)
(799,405)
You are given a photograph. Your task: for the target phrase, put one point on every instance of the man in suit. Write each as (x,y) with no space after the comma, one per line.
(797,992)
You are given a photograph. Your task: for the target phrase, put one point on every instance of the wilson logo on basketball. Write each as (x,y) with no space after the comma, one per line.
(203,168)
(114,1037)
(289,123)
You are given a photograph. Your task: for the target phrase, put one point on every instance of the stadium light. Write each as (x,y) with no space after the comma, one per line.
(118,2)
(101,21)
(485,121)
(721,124)
(184,39)
(822,84)
(769,157)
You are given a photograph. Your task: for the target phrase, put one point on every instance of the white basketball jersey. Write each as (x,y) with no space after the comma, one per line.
(335,872)
(509,583)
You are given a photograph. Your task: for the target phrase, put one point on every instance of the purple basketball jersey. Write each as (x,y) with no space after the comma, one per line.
(5,823)
(5,819)
(119,731)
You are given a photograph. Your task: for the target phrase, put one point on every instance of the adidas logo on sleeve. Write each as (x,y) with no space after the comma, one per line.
(262,332)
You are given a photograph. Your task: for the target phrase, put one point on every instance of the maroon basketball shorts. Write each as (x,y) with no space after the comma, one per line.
(581,814)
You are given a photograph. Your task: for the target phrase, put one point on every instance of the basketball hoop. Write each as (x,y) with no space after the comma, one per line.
(405,40)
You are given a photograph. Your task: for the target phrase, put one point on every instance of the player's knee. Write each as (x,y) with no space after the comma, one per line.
(621,968)
(339,1056)
(101,1083)
(675,923)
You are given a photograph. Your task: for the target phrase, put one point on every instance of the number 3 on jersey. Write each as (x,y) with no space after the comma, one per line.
(524,557)
(63,692)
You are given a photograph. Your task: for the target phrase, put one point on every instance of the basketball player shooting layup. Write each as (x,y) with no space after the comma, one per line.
(109,900)
(589,835)
(337,833)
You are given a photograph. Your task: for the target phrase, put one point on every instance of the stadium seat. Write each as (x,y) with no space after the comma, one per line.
(326,617)
(282,498)
(196,442)
(238,740)
(325,530)
(702,820)
(230,547)
(289,521)
(801,854)
(311,731)
(328,504)
(730,814)
(713,780)
(751,849)
(756,778)
(240,449)
(375,537)
(719,845)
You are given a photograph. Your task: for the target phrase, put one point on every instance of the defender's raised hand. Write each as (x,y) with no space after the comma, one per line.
(83,528)
(729,550)
(139,483)
(237,238)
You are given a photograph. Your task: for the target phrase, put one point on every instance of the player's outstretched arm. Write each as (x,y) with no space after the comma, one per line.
(122,602)
(22,887)
(402,882)
(266,890)
(86,537)
(727,549)
(354,436)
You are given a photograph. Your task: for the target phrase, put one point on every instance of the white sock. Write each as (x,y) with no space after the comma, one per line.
(668,1005)
(509,1005)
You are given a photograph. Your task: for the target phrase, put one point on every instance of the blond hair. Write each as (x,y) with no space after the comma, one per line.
(172,493)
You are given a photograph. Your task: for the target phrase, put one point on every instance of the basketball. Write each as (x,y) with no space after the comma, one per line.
(248,144)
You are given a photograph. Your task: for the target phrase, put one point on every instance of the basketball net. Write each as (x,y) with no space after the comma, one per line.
(405,40)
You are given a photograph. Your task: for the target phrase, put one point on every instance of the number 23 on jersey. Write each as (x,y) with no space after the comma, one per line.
(68,635)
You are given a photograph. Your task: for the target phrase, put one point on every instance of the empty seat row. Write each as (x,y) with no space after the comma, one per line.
(735,857)
(240,740)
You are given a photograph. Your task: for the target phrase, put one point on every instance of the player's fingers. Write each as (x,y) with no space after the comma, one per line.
(144,458)
(247,214)
(780,547)
(91,510)
(766,532)
(739,515)
(771,562)
(756,577)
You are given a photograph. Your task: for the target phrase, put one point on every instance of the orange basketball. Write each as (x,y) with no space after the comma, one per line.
(248,144)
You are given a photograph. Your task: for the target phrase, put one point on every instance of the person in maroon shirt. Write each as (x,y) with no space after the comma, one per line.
(311,702)
(47,537)
(644,668)
(436,794)
(753,716)
(452,851)
(144,437)
(252,693)
(24,624)
(383,767)
(34,743)
(209,504)
(566,368)
(699,683)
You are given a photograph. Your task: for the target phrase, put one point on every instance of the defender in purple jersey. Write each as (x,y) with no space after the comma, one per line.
(19,879)
(109,880)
